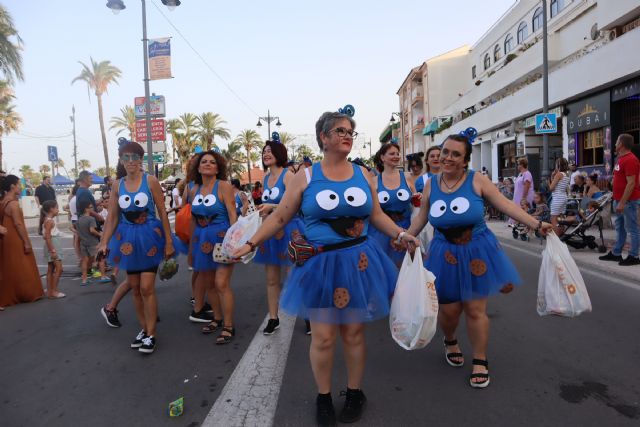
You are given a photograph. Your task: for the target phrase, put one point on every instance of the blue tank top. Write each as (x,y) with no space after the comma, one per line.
(398,200)
(132,204)
(190,186)
(421,181)
(336,211)
(463,207)
(273,194)
(238,205)
(210,205)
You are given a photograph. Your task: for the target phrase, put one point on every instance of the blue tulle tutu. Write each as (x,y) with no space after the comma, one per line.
(274,250)
(469,271)
(384,241)
(203,241)
(136,247)
(350,285)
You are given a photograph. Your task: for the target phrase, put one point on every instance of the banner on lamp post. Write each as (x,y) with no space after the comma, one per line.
(160,59)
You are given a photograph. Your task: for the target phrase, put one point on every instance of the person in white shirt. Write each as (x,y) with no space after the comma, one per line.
(574,173)
(176,197)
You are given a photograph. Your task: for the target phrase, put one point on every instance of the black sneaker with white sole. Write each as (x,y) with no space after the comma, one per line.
(137,342)
(206,307)
(111,317)
(201,316)
(272,326)
(630,260)
(307,327)
(148,345)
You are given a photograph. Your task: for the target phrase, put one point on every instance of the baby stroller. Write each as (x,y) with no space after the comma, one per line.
(575,235)
(520,231)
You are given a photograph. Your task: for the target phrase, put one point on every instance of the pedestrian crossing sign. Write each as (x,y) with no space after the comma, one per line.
(546,123)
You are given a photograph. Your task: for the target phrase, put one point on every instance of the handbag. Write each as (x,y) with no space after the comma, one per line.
(219,256)
(299,249)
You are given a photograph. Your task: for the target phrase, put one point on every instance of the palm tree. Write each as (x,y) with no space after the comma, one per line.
(10,120)
(103,172)
(126,122)
(250,140)
(210,126)
(84,164)
(235,158)
(183,133)
(98,78)
(44,169)
(286,138)
(10,48)
(26,171)
(60,164)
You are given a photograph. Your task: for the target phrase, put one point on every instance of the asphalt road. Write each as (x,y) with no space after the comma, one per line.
(60,365)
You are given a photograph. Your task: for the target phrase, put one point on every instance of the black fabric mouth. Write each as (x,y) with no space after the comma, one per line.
(345,226)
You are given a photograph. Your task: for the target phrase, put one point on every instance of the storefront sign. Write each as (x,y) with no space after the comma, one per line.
(160,59)
(157,130)
(625,90)
(155,101)
(590,113)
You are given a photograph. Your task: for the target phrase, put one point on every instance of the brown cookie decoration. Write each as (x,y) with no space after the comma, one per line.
(279,235)
(153,251)
(126,249)
(341,297)
(116,259)
(478,267)
(118,236)
(221,234)
(571,289)
(363,262)
(450,258)
(206,247)
(357,229)
(158,231)
(194,239)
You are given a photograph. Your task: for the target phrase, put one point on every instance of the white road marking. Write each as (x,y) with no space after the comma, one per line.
(250,397)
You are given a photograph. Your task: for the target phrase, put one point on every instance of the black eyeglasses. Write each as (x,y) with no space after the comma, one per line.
(343,132)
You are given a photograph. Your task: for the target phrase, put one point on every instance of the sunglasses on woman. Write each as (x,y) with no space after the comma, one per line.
(130,157)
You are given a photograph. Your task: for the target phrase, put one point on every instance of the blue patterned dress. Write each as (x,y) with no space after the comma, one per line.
(212,223)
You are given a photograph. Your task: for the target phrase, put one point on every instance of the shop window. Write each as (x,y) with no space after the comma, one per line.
(508,44)
(536,23)
(591,145)
(487,61)
(507,159)
(496,53)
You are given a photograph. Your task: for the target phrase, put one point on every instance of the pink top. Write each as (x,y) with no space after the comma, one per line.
(518,192)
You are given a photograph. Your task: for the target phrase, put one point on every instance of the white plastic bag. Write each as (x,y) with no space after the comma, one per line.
(561,289)
(414,309)
(426,235)
(238,234)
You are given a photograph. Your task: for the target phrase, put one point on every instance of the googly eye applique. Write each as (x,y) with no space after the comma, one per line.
(197,201)
(459,205)
(438,208)
(209,200)
(141,200)
(275,192)
(403,195)
(383,197)
(124,201)
(265,195)
(355,196)
(327,200)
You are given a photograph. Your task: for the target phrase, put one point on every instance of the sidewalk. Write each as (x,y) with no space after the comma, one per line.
(585,258)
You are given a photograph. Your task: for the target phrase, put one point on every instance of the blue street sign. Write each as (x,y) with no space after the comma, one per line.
(546,123)
(52,153)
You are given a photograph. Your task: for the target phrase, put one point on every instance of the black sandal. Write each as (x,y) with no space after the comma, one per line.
(226,339)
(212,327)
(450,356)
(481,375)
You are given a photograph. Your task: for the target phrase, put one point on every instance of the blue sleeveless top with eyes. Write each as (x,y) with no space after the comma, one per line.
(210,206)
(336,211)
(273,194)
(421,181)
(396,201)
(133,204)
(463,207)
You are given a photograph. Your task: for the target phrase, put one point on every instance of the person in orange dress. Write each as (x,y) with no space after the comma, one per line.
(19,276)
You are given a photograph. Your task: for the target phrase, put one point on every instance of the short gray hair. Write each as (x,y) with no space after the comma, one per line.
(326,122)
(84,175)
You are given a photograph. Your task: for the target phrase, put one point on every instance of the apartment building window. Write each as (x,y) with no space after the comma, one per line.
(557,6)
(507,159)
(536,23)
(508,43)
(487,61)
(473,72)
(496,53)
(591,145)
(522,32)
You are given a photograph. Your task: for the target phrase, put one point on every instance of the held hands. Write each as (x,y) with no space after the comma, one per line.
(265,209)
(408,241)
(545,229)
(242,251)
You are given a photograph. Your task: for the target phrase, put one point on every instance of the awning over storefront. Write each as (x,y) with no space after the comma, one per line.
(386,134)
(431,128)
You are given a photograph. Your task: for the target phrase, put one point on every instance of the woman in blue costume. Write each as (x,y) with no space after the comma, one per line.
(350,281)
(138,240)
(433,168)
(394,194)
(273,252)
(241,199)
(212,213)
(464,255)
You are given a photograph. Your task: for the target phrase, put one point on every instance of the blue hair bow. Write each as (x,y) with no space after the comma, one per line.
(275,137)
(307,159)
(197,150)
(348,110)
(122,141)
(470,133)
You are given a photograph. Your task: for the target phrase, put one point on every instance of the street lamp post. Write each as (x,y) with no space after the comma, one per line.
(269,119)
(545,92)
(392,120)
(75,146)
(116,6)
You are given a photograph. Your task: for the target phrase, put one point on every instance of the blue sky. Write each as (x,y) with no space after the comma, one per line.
(296,58)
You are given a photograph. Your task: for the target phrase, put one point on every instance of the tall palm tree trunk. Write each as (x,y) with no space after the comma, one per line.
(249,166)
(102,131)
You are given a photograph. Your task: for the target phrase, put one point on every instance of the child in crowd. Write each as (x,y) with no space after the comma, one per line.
(52,253)
(540,210)
(89,239)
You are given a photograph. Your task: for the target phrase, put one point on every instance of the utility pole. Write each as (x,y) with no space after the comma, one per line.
(545,92)
(75,146)
(147,104)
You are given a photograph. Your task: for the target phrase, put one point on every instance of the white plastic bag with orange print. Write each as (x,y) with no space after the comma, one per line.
(561,289)
(414,309)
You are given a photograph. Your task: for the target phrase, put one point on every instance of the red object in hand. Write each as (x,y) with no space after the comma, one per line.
(415,199)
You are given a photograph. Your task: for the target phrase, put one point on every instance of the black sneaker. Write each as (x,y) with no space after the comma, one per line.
(307,327)
(111,317)
(207,308)
(630,260)
(325,414)
(353,406)
(611,257)
(137,343)
(271,327)
(201,316)
(148,345)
